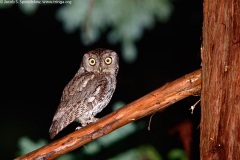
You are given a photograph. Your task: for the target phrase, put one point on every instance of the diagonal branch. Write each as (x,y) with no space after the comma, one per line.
(163,97)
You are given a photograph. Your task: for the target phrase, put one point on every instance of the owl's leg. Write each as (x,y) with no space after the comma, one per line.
(93,119)
(83,122)
(83,125)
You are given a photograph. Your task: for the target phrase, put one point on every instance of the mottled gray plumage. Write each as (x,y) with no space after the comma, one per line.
(88,92)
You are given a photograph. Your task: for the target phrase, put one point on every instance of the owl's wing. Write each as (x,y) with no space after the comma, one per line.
(82,94)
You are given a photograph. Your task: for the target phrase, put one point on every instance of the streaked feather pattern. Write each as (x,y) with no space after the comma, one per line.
(88,92)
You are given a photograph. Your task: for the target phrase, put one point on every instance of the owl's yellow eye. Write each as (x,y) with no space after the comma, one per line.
(108,60)
(92,61)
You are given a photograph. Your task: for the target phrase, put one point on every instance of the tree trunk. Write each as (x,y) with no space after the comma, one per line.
(220,98)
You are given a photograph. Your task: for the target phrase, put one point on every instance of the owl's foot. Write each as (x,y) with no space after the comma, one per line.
(85,122)
(78,128)
(93,119)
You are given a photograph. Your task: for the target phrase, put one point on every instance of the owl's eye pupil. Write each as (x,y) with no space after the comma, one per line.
(92,61)
(108,60)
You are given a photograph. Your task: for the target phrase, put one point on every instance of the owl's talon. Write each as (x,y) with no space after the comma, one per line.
(78,128)
(93,120)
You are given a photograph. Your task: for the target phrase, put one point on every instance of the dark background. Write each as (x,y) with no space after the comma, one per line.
(38,59)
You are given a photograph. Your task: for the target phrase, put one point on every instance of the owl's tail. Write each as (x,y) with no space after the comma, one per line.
(54,129)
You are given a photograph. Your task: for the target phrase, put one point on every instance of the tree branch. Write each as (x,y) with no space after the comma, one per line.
(155,101)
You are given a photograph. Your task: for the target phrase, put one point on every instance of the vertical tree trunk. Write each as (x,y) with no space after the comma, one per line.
(220,99)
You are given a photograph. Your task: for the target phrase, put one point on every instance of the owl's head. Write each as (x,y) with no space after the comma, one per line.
(100,61)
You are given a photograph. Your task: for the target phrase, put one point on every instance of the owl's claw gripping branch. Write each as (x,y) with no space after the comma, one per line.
(77,128)
(147,105)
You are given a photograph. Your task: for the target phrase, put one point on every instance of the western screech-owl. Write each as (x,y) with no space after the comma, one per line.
(88,92)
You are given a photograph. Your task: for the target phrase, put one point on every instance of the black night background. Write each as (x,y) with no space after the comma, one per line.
(38,58)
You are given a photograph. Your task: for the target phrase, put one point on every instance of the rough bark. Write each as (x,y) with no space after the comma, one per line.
(155,101)
(220,97)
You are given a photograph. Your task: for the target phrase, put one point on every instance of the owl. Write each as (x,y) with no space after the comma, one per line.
(88,92)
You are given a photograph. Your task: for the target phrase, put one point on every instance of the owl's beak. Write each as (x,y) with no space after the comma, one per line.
(100,69)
